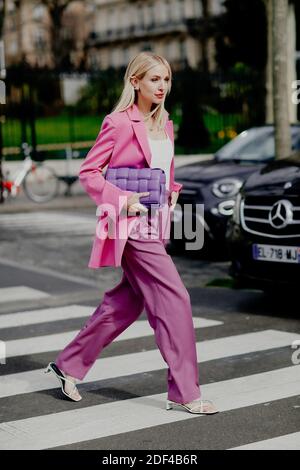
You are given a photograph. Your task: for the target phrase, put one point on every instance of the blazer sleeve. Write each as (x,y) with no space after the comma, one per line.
(90,172)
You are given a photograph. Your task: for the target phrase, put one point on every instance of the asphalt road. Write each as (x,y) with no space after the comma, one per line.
(244,347)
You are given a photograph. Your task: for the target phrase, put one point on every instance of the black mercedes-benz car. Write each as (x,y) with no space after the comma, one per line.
(215,184)
(264,232)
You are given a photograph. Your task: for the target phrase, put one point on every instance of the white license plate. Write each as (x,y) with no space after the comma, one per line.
(284,254)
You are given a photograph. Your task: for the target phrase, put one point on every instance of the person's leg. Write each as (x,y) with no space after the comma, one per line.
(120,307)
(150,269)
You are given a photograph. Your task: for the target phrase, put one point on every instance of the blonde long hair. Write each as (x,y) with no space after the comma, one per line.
(138,67)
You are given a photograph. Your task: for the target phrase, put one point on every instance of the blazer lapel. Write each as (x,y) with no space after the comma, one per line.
(141,131)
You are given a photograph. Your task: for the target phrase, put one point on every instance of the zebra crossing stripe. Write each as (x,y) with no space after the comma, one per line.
(286,442)
(135,363)
(41,344)
(15,293)
(94,422)
(43,315)
(35,317)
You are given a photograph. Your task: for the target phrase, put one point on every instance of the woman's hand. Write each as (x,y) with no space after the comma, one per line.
(134,205)
(173,199)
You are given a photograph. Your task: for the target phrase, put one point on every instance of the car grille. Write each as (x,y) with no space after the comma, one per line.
(255,216)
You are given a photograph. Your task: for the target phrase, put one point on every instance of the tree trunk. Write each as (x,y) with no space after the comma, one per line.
(56,10)
(269,66)
(280,80)
(2,70)
(291,54)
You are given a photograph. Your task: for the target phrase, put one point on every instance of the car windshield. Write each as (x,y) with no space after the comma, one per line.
(256,144)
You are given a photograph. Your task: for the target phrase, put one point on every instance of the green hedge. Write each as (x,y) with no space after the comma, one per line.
(58,129)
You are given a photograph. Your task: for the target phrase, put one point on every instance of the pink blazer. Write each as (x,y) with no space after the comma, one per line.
(122,141)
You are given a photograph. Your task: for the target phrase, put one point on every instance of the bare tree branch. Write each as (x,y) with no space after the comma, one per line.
(56,9)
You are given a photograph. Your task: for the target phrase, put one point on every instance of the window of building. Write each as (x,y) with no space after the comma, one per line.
(91,8)
(110,21)
(198,9)
(169,10)
(132,18)
(93,60)
(12,47)
(182,49)
(164,9)
(10,6)
(216,7)
(39,39)
(123,19)
(38,12)
(181,10)
(150,15)
(140,14)
(12,23)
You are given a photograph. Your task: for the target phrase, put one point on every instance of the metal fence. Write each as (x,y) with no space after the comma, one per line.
(53,111)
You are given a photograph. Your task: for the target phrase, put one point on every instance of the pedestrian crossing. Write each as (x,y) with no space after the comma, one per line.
(94,422)
(9,294)
(79,423)
(128,364)
(51,222)
(53,342)
(287,442)
(79,311)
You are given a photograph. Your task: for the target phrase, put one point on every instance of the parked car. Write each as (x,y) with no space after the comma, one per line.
(264,232)
(215,183)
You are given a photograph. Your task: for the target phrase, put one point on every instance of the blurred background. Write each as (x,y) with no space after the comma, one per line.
(235,106)
(65,62)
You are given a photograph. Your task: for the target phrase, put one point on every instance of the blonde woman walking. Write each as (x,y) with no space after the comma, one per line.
(137,133)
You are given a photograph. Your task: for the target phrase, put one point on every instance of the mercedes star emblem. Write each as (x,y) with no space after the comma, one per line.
(281,214)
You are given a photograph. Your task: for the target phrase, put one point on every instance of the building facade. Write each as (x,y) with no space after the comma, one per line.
(107,33)
(28,32)
(176,29)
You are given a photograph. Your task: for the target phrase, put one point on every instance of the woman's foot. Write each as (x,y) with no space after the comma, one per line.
(201,406)
(70,389)
(68,383)
(197,406)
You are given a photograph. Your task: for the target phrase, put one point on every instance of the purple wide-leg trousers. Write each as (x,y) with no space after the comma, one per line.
(150,281)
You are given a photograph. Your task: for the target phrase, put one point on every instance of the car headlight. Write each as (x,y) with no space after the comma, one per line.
(226,187)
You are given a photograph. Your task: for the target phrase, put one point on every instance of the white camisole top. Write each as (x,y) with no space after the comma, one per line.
(161,155)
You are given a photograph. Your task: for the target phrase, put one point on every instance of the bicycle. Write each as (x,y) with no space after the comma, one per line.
(40,182)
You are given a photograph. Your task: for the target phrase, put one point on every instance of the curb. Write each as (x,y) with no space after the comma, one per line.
(70,202)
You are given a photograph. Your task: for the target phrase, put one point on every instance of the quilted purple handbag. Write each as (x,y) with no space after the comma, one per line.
(139,180)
